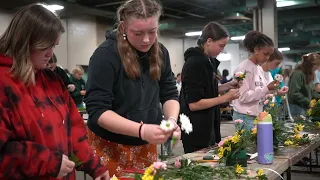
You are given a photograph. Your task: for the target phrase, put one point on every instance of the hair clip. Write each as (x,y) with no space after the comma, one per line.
(124,36)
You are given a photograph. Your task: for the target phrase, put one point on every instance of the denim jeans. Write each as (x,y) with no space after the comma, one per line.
(247,120)
(296,110)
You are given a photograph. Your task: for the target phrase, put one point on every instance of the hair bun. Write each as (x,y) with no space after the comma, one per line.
(305,57)
(200,40)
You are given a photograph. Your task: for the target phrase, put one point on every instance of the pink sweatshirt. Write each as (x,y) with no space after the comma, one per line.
(253,90)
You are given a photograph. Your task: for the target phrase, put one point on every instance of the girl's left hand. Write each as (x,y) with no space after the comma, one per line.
(284,90)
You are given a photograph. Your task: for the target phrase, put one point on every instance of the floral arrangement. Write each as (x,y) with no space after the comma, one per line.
(233,144)
(240,76)
(189,170)
(314,110)
(279,129)
(296,139)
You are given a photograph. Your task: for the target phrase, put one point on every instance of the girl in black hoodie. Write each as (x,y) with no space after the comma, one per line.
(199,97)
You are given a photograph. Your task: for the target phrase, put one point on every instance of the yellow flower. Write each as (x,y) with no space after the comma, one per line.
(309,112)
(318,124)
(300,127)
(239,169)
(260,172)
(235,139)
(149,171)
(242,131)
(114,178)
(272,105)
(255,122)
(221,152)
(254,131)
(147,177)
(241,75)
(288,143)
(228,148)
(298,136)
(313,101)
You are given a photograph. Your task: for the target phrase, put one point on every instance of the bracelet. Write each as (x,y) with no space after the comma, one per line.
(175,120)
(140,131)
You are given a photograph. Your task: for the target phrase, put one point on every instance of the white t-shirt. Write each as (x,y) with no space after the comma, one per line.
(269,79)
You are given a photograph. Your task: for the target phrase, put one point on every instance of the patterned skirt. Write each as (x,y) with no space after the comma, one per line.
(117,157)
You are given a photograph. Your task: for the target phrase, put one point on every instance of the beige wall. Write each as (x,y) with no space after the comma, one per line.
(83,35)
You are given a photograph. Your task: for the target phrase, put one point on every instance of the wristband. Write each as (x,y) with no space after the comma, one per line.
(140,136)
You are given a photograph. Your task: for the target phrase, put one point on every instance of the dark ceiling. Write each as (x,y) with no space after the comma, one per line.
(298,25)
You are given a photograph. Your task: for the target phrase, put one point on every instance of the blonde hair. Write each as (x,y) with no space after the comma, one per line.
(33,27)
(140,9)
(77,69)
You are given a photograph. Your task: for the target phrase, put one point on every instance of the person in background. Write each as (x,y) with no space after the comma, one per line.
(317,87)
(129,74)
(178,84)
(272,64)
(317,76)
(286,76)
(40,126)
(199,98)
(255,86)
(52,65)
(225,74)
(79,92)
(301,87)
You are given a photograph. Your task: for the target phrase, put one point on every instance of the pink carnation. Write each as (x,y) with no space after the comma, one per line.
(160,165)
(266,102)
(221,143)
(238,121)
(238,74)
(177,163)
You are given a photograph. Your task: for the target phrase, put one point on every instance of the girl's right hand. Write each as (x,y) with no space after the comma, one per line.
(232,94)
(153,134)
(273,85)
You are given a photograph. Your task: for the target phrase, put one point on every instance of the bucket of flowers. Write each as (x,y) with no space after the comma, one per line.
(233,149)
(314,111)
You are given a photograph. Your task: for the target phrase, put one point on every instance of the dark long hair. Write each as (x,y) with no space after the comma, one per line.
(212,30)
(306,67)
(256,39)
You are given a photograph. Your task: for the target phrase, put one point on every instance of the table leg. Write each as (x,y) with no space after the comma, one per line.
(310,162)
(289,173)
(317,158)
(84,176)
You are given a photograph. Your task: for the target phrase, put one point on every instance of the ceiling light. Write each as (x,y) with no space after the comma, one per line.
(285,3)
(284,49)
(196,33)
(237,38)
(53,7)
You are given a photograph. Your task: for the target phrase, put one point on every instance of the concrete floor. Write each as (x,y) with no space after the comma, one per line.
(227,129)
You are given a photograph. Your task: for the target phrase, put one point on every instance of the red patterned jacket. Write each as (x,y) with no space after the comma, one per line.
(37,125)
